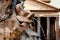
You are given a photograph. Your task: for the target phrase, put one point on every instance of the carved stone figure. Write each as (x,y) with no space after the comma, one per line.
(10,28)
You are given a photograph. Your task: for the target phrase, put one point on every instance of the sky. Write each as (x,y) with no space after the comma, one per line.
(55,3)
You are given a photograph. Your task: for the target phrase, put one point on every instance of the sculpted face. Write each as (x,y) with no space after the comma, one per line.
(4,7)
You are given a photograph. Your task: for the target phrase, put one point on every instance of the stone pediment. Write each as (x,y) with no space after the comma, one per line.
(36,5)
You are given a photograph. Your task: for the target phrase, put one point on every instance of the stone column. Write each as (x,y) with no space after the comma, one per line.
(48,28)
(57,28)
